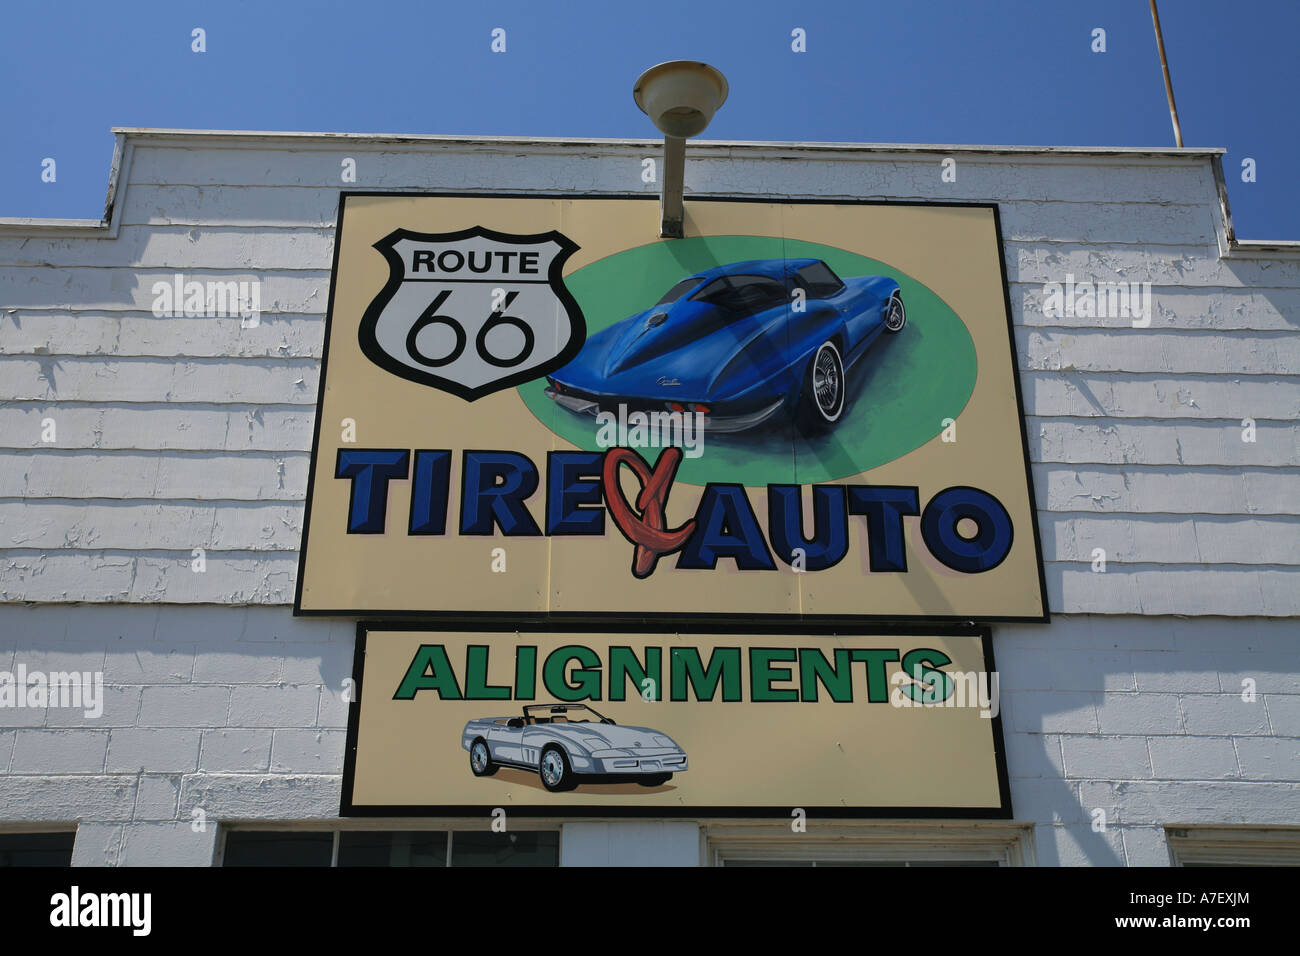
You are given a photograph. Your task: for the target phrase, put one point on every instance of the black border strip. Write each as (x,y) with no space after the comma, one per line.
(320,409)
(614,619)
(347,808)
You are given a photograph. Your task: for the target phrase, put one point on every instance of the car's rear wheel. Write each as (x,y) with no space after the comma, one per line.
(557,776)
(821,401)
(480,759)
(655,779)
(895,314)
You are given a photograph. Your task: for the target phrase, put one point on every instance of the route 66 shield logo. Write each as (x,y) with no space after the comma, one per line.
(473,312)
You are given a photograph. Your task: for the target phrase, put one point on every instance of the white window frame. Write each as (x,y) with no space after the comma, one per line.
(1233,845)
(1003,843)
(39,826)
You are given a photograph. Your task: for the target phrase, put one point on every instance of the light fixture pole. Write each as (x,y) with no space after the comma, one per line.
(680,97)
(672,211)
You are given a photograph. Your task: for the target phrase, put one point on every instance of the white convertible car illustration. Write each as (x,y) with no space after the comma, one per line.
(565,743)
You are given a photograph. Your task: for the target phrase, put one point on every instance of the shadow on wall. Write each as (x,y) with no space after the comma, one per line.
(1117,726)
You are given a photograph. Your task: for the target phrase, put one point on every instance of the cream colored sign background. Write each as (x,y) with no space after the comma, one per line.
(768,754)
(952,250)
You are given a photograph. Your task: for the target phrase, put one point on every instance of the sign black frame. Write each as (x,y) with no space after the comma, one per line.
(620,620)
(348,808)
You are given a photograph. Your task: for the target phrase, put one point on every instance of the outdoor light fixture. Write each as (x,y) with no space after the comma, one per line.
(680,97)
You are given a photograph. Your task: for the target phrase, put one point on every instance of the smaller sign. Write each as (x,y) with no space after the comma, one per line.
(432,323)
(561,723)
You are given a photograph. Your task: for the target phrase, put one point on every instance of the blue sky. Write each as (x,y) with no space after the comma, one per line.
(1015,72)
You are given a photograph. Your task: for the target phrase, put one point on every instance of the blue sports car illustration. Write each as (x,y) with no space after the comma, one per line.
(737,343)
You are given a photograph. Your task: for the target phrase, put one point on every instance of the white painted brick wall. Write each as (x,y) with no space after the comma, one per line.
(246,751)
(1141,717)
(286,705)
(1283,712)
(1223,715)
(145,844)
(227,715)
(192,705)
(135,750)
(1139,713)
(1159,735)
(183,433)
(310,750)
(156,798)
(1100,756)
(1272,757)
(74,750)
(1193,758)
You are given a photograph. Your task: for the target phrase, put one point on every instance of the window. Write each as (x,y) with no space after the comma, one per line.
(918,844)
(712,291)
(380,848)
(744,295)
(1233,846)
(252,847)
(819,280)
(37,849)
(679,290)
(739,861)
(484,848)
(269,848)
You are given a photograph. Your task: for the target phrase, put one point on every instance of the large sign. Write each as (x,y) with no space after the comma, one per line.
(556,723)
(802,411)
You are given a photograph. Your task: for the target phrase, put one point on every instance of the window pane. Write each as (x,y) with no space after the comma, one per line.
(1263,862)
(679,290)
(715,290)
(767,862)
(819,280)
(861,863)
(374,848)
(36,849)
(850,862)
(475,848)
(278,848)
(750,294)
(954,863)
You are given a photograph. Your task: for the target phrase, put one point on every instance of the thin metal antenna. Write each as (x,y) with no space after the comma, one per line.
(1169,84)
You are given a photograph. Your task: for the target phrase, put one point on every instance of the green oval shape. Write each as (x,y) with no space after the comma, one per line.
(899,391)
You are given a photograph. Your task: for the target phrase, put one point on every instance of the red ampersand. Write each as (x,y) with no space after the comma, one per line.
(647,531)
